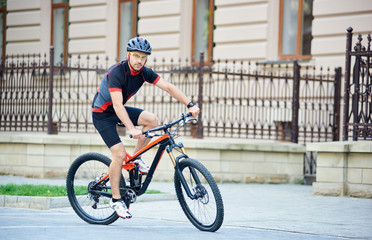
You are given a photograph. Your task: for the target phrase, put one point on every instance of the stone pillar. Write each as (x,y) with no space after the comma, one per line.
(343,169)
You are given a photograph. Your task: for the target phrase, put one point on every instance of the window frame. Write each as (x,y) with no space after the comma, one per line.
(4,12)
(195,59)
(299,34)
(134,23)
(64,5)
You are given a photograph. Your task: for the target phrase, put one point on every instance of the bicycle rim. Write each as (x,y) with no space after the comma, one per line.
(205,212)
(83,173)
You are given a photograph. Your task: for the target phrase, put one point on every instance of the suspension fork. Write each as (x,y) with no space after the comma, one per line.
(178,170)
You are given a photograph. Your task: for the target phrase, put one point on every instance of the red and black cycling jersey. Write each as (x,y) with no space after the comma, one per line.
(120,78)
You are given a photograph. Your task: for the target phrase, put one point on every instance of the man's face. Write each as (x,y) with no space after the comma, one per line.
(137,59)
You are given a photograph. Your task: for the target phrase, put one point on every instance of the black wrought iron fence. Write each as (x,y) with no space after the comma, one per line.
(38,95)
(284,102)
(74,87)
(358,90)
(280,102)
(309,164)
(24,93)
(257,101)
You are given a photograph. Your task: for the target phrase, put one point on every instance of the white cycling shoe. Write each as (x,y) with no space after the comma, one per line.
(121,208)
(143,167)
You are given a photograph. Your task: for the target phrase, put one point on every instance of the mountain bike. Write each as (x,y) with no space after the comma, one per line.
(89,189)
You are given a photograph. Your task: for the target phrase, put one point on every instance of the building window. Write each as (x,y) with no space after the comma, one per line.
(127,27)
(296,17)
(59,33)
(3,29)
(202,30)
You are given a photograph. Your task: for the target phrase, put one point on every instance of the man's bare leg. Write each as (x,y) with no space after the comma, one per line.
(118,154)
(117,203)
(147,120)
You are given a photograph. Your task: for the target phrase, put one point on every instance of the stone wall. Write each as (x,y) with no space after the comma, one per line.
(343,169)
(229,160)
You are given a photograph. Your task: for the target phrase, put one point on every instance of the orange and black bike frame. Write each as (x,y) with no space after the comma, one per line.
(165,142)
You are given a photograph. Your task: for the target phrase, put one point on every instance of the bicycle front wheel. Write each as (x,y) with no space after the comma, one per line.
(204,208)
(90,206)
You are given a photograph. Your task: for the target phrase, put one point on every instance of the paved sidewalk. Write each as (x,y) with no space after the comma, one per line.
(252,211)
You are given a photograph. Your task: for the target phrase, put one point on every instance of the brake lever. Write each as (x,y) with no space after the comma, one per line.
(151,135)
(190,120)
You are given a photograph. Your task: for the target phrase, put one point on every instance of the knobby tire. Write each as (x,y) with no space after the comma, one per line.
(205,213)
(84,170)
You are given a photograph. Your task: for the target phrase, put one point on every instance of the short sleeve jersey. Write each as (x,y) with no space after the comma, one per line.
(120,78)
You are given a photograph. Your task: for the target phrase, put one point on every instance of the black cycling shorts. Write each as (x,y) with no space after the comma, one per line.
(106,123)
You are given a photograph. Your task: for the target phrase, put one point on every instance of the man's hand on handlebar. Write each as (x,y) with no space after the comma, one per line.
(194,111)
(135,133)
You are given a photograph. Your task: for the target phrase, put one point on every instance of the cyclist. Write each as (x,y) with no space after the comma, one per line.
(120,82)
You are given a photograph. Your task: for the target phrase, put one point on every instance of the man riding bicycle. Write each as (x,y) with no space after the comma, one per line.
(120,82)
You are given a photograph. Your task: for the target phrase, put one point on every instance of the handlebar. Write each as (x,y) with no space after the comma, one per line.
(184,118)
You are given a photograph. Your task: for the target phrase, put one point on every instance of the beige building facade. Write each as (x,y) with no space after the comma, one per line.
(248,30)
(241,29)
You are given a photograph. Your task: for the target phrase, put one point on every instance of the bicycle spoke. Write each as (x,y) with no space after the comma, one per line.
(204,212)
(89,171)
(204,207)
(83,175)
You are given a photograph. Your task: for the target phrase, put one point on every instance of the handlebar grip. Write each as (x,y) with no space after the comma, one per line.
(189,114)
(131,136)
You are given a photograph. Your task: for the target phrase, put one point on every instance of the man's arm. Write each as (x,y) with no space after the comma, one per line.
(177,94)
(121,112)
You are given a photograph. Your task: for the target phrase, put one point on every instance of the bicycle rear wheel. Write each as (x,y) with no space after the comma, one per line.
(205,211)
(84,172)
